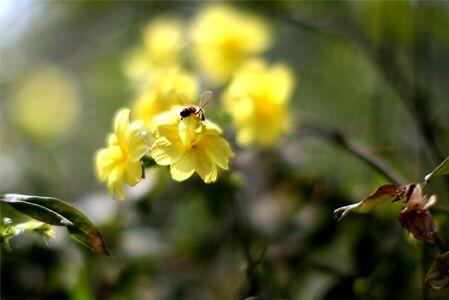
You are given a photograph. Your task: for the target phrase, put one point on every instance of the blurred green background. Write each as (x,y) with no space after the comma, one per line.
(376,71)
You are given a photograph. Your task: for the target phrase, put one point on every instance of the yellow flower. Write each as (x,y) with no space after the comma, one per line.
(257,101)
(162,43)
(166,89)
(189,145)
(120,161)
(224,38)
(46,105)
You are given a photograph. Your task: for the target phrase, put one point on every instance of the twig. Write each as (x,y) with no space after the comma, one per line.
(439,242)
(413,96)
(244,239)
(362,153)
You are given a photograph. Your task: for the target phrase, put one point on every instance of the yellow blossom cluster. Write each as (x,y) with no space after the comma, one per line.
(156,66)
(225,46)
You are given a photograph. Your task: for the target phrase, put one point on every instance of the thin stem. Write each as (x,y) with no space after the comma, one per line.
(439,242)
(413,96)
(357,150)
(242,233)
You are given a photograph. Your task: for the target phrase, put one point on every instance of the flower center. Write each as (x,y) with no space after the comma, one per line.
(123,155)
(232,47)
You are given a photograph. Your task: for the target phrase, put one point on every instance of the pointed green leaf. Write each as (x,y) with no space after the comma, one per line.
(27,206)
(442,169)
(56,212)
(382,194)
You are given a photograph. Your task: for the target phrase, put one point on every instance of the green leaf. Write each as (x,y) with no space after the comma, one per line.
(438,275)
(382,194)
(442,169)
(56,212)
(147,162)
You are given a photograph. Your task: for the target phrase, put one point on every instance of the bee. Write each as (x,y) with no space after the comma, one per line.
(194,109)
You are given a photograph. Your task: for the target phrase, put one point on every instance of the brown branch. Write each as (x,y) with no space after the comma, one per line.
(357,150)
(414,96)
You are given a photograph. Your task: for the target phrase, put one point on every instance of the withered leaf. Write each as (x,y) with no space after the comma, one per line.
(384,193)
(419,223)
(415,216)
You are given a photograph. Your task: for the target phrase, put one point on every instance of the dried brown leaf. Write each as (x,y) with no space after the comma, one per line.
(384,193)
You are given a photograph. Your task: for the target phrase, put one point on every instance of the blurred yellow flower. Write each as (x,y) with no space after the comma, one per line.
(224,38)
(46,105)
(120,161)
(166,89)
(162,43)
(189,145)
(257,100)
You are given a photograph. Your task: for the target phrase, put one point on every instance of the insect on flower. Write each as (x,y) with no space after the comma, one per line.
(194,109)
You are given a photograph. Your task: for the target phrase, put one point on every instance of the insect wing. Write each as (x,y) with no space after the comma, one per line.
(205,98)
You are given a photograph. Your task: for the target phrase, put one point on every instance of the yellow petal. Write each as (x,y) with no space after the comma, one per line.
(168,118)
(283,83)
(212,176)
(106,159)
(165,152)
(133,173)
(183,168)
(112,140)
(136,125)
(137,151)
(217,149)
(170,132)
(212,128)
(121,123)
(115,183)
(203,165)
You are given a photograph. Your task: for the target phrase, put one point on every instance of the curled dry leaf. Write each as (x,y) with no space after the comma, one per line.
(384,193)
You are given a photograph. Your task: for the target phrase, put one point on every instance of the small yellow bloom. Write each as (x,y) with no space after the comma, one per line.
(257,101)
(162,43)
(44,229)
(46,105)
(166,88)
(120,161)
(224,38)
(189,145)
